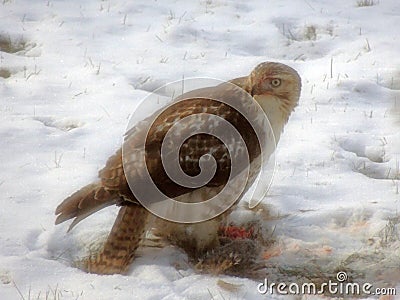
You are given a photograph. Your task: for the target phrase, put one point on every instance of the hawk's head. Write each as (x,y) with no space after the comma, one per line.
(276,87)
(274,81)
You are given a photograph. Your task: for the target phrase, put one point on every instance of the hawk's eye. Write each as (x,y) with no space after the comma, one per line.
(276,82)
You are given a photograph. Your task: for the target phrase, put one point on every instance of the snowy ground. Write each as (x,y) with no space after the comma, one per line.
(71,72)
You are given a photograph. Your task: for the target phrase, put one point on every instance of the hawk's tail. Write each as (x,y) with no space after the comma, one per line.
(119,250)
(84,202)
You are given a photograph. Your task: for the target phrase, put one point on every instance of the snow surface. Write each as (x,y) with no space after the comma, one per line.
(73,72)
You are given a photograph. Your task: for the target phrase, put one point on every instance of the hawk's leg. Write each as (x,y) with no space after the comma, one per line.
(119,249)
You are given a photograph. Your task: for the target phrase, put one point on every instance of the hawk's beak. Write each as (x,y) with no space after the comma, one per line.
(255,89)
(258,90)
(252,91)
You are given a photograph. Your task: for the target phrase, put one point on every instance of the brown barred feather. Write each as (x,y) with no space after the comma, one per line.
(119,249)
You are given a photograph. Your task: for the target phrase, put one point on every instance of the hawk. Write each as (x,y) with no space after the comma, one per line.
(275,87)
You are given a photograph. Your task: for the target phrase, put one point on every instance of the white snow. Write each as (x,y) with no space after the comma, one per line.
(81,67)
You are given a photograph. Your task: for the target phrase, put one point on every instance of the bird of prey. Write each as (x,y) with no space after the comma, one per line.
(274,87)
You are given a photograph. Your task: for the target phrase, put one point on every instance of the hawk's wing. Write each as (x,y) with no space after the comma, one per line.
(114,186)
(213,101)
